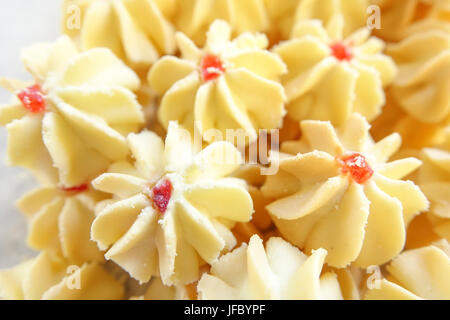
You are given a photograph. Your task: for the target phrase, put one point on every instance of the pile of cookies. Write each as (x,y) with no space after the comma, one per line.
(229,149)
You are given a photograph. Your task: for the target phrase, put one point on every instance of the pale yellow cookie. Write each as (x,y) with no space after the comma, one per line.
(72,123)
(171,206)
(193,17)
(335,190)
(330,77)
(416,274)
(48,277)
(284,14)
(60,221)
(137,31)
(279,271)
(434,179)
(422,85)
(219,87)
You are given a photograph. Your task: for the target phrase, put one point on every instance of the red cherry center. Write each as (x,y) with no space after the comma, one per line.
(32,98)
(76,189)
(341,51)
(356,165)
(212,67)
(161,194)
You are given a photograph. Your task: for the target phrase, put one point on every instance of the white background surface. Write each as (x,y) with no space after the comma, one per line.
(22,22)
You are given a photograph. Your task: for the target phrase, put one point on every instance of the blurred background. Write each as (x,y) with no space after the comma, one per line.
(23,22)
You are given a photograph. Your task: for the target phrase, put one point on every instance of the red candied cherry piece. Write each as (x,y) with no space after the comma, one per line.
(341,51)
(76,189)
(32,98)
(212,67)
(357,166)
(161,194)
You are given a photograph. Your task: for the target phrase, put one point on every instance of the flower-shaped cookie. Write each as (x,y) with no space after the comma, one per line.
(422,85)
(330,77)
(194,17)
(219,87)
(339,193)
(174,205)
(284,14)
(76,115)
(434,180)
(281,271)
(135,30)
(399,15)
(60,221)
(415,133)
(416,274)
(51,278)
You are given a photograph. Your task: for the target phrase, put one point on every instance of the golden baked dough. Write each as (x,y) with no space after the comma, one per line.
(158,291)
(193,17)
(350,280)
(281,271)
(285,13)
(434,180)
(76,116)
(422,85)
(415,133)
(219,87)
(151,176)
(60,221)
(420,232)
(173,205)
(416,274)
(397,16)
(51,278)
(338,192)
(135,30)
(330,77)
